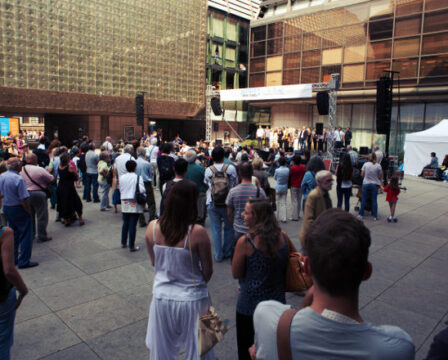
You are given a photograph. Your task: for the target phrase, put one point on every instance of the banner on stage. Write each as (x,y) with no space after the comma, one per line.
(303,91)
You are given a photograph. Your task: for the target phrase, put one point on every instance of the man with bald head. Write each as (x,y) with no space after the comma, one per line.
(37,180)
(16,206)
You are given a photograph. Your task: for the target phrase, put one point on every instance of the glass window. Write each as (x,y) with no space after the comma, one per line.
(355,53)
(310,75)
(291,77)
(311,58)
(435,4)
(274,63)
(411,117)
(275,46)
(275,30)
(434,66)
(293,27)
(218,27)
(355,34)
(406,7)
(232,33)
(435,44)
(256,80)
(312,22)
(257,65)
(361,138)
(258,49)
(381,29)
(356,14)
(406,47)
(259,33)
(343,114)
(406,67)
(333,18)
(311,41)
(381,8)
(375,70)
(379,50)
(331,56)
(434,113)
(362,116)
(274,79)
(291,61)
(353,73)
(230,54)
(292,44)
(436,21)
(332,38)
(408,26)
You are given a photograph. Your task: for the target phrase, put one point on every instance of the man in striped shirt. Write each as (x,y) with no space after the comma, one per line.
(237,199)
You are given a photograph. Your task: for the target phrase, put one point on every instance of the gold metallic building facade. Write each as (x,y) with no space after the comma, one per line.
(110,49)
(359,40)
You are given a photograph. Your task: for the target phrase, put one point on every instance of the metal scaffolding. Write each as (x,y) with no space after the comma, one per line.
(210,92)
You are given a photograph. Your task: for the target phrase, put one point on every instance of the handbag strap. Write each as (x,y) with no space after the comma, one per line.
(283,334)
(137,190)
(34,182)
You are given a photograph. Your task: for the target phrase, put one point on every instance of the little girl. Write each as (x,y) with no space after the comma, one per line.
(392,190)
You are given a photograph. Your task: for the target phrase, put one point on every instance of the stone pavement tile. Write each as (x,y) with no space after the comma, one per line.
(77,248)
(364,300)
(105,260)
(442,253)
(77,352)
(435,265)
(100,316)
(126,277)
(224,300)
(127,342)
(227,349)
(382,227)
(50,272)
(387,269)
(418,244)
(416,325)
(414,299)
(374,286)
(426,280)
(435,228)
(31,308)
(72,292)
(398,256)
(41,252)
(41,336)
(424,348)
(139,297)
(379,241)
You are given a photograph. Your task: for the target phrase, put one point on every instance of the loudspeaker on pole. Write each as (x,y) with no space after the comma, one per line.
(319,128)
(322,102)
(383,105)
(216,105)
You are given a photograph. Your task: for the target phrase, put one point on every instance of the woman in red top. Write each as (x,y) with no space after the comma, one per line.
(392,190)
(296,173)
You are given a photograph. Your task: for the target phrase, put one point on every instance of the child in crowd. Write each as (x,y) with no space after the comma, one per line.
(392,190)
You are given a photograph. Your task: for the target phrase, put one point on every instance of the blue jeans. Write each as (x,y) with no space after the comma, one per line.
(129,226)
(91,181)
(369,191)
(218,216)
(22,224)
(104,194)
(344,193)
(54,196)
(7,316)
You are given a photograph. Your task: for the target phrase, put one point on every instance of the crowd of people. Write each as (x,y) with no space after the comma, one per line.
(231,186)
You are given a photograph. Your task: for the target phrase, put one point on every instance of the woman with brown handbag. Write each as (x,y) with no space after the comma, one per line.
(259,262)
(180,252)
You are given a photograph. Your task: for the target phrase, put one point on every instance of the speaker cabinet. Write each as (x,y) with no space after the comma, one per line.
(140,109)
(216,106)
(322,102)
(383,105)
(319,128)
(215,126)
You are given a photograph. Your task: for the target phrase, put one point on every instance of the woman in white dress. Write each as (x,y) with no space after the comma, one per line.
(180,293)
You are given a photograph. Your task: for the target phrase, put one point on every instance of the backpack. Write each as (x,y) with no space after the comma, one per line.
(220,185)
(166,167)
(82,163)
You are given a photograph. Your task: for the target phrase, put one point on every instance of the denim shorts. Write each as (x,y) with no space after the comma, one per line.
(7,316)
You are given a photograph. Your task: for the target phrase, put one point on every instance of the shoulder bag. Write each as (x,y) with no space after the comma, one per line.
(139,197)
(211,328)
(296,280)
(284,334)
(48,190)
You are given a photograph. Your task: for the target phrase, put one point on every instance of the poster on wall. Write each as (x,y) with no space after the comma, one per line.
(129,132)
(9,124)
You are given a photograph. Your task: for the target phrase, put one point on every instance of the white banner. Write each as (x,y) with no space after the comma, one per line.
(303,91)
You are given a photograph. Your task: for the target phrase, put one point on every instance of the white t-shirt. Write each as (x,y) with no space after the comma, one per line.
(379,156)
(151,153)
(108,146)
(260,132)
(371,173)
(313,337)
(120,164)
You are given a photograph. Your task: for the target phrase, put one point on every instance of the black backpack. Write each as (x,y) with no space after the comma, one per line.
(82,163)
(166,167)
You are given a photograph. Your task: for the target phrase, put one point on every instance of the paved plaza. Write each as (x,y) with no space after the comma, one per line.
(89,298)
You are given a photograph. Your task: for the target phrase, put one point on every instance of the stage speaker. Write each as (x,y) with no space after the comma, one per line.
(322,102)
(140,109)
(216,105)
(319,128)
(218,142)
(215,126)
(383,105)
(363,150)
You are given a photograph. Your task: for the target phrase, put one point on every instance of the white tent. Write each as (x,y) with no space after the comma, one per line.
(419,145)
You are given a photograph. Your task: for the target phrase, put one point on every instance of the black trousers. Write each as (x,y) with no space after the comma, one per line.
(244,335)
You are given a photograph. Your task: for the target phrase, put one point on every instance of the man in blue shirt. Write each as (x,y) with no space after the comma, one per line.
(16,206)
(144,170)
